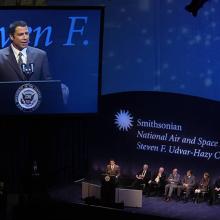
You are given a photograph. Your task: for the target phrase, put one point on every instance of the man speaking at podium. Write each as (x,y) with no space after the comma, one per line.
(112,169)
(109,182)
(20,62)
(19,53)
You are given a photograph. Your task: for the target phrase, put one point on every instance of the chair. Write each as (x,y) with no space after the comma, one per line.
(190,194)
(217,197)
(142,186)
(201,197)
(174,193)
(156,190)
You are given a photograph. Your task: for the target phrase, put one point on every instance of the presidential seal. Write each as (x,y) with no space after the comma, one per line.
(27,97)
(107,178)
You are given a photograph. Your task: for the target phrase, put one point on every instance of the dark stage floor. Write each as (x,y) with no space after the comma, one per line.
(152,206)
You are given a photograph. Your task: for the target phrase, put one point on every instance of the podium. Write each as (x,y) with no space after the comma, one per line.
(109,183)
(31,97)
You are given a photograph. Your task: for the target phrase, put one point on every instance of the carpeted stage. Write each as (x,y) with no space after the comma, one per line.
(152,207)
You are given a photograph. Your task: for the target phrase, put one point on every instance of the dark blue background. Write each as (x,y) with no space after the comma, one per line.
(154,45)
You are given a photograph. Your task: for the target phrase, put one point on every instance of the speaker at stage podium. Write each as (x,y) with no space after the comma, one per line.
(108,185)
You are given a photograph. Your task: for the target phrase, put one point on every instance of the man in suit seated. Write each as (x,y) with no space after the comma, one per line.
(203,187)
(173,181)
(187,185)
(215,191)
(142,178)
(157,183)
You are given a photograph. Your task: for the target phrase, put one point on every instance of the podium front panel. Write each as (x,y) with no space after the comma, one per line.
(108,189)
(31,97)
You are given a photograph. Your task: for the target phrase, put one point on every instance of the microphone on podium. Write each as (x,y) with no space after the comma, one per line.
(27,69)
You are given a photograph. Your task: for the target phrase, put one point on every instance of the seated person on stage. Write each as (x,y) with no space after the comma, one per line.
(202,187)
(173,181)
(157,183)
(142,178)
(113,169)
(187,185)
(215,191)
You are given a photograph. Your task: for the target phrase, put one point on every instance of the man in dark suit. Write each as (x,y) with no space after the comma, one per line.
(172,183)
(109,182)
(19,52)
(142,178)
(157,183)
(215,191)
(188,183)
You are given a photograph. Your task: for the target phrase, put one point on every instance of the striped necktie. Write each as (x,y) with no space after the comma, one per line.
(20,61)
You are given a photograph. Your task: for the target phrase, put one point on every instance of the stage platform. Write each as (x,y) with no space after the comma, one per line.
(153,207)
(65,202)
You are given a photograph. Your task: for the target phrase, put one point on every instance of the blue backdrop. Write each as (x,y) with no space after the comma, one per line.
(154,45)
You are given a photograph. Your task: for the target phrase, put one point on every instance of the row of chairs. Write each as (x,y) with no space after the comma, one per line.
(203,196)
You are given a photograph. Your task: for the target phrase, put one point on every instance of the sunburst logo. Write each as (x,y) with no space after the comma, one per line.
(123,120)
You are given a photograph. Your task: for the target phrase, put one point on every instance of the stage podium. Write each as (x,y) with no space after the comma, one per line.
(31,97)
(108,185)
